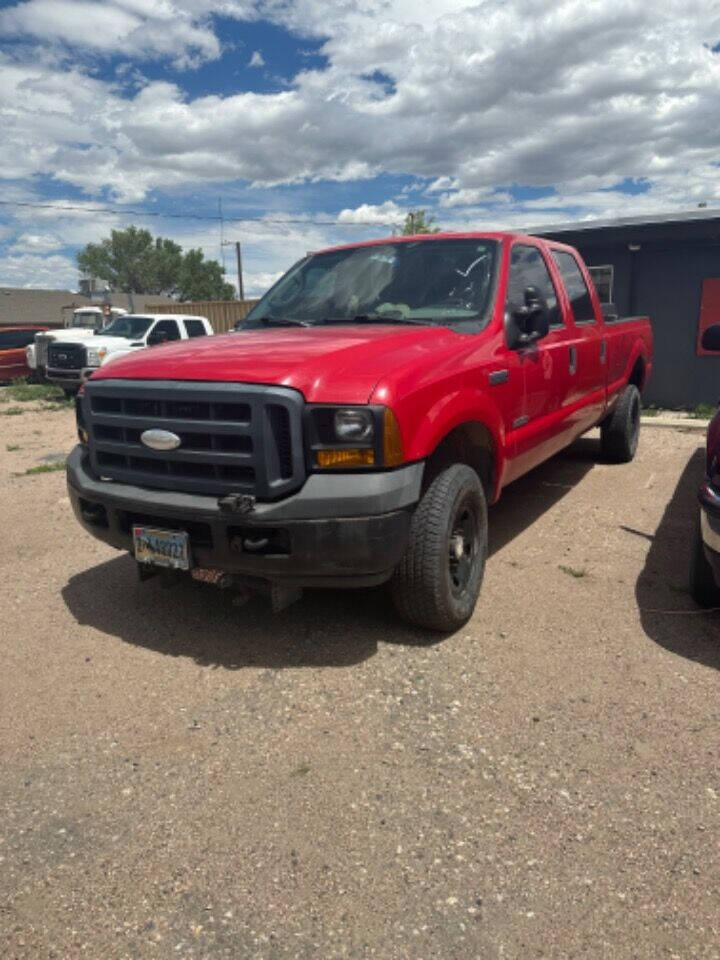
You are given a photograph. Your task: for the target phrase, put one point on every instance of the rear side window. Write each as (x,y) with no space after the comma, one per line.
(528,269)
(195,328)
(577,290)
(10,339)
(169,328)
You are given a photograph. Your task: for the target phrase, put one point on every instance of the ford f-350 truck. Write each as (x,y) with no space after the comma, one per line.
(355,428)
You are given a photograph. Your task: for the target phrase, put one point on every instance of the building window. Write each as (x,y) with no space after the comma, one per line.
(602,277)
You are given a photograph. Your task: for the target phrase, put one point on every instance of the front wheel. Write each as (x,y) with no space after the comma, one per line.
(620,431)
(703,588)
(437,582)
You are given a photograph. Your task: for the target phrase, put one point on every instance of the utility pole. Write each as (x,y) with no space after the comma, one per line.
(241,288)
(238,254)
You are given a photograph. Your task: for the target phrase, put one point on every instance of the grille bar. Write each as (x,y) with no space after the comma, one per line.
(260,452)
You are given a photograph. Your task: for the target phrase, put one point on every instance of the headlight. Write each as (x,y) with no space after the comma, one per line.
(96,355)
(353,437)
(353,426)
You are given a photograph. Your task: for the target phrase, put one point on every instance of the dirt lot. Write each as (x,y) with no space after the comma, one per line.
(182,778)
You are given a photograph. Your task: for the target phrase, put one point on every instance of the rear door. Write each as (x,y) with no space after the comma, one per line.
(588,345)
(540,429)
(13,362)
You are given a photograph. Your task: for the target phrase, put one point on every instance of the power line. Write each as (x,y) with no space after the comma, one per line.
(198,216)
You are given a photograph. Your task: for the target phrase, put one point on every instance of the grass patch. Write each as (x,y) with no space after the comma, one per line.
(12,447)
(703,411)
(576,572)
(651,411)
(13,411)
(46,467)
(23,392)
(301,770)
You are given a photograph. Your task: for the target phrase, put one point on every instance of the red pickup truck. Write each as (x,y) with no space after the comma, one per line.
(357,425)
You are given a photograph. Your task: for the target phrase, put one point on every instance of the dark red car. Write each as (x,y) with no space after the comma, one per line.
(705,560)
(13,342)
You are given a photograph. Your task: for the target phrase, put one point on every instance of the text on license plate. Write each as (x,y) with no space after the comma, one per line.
(164,548)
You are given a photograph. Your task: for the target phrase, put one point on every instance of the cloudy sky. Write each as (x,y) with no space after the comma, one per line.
(309,123)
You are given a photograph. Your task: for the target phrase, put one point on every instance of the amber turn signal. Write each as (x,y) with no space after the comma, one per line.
(393,454)
(345,458)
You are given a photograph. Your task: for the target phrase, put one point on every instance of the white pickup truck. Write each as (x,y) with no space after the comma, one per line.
(70,362)
(82,323)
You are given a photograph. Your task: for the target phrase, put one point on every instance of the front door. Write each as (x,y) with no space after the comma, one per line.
(539,430)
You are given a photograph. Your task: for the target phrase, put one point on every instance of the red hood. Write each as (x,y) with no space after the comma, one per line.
(332,364)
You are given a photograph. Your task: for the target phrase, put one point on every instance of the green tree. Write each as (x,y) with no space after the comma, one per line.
(133,261)
(202,279)
(417,221)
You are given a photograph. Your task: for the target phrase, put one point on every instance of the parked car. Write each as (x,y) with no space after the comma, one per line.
(13,343)
(705,557)
(82,321)
(376,399)
(71,362)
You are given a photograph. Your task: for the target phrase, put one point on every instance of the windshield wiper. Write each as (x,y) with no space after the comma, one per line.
(270,321)
(376,318)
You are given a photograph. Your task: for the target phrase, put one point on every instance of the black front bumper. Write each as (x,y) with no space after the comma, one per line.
(337,531)
(709,497)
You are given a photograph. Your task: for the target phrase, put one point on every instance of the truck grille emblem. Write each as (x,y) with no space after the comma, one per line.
(160,439)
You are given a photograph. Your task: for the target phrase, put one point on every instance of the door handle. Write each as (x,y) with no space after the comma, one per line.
(603,351)
(573,360)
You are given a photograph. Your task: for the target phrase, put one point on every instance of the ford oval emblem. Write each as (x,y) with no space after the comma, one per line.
(160,439)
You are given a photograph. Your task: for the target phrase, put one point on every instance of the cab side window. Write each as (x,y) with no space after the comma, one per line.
(195,328)
(577,291)
(169,328)
(528,269)
(12,339)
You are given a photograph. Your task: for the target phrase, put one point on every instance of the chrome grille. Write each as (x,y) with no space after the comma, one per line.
(233,437)
(66,356)
(42,341)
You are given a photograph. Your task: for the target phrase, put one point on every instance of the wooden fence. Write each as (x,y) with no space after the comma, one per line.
(222,314)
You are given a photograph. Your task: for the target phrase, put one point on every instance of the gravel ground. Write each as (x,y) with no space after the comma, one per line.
(182,778)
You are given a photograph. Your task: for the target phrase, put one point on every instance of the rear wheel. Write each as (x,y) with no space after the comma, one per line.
(436,584)
(703,587)
(620,430)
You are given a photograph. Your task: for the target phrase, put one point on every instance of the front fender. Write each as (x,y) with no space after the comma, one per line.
(116,356)
(424,430)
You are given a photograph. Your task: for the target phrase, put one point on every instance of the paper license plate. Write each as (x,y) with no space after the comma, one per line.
(164,548)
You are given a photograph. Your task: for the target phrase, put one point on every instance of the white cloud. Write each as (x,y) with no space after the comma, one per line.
(132,28)
(36,243)
(55,272)
(466,101)
(257,59)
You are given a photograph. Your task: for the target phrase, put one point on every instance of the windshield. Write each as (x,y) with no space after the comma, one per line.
(87,319)
(129,326)
(425,281)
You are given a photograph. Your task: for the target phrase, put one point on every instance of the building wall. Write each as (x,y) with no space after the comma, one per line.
(665,282)
(49,307)
(663,279)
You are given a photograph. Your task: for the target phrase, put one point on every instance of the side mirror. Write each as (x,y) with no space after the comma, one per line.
(531,321)
(711,338)
(158,336)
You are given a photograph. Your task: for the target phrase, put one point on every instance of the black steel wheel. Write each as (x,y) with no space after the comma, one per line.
(620,430)
(437,583)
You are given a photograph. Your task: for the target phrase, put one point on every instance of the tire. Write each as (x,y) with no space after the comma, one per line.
(620,431)
(703,587)
(436,586)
